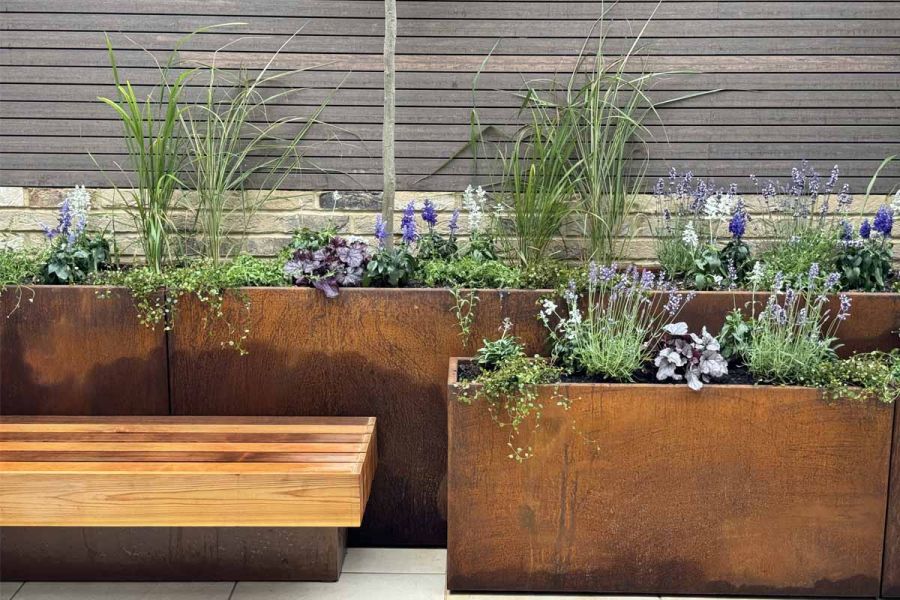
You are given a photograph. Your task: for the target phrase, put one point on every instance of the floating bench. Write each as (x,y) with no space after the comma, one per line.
(203,472)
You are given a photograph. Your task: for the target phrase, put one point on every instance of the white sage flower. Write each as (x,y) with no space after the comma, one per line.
(689,237)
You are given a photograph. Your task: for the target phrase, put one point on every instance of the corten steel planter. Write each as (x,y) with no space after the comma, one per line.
(384,353)
(654,489)
(891,582)
(368,352)
(66,351)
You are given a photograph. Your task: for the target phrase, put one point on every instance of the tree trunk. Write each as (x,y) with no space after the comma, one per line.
(390,175)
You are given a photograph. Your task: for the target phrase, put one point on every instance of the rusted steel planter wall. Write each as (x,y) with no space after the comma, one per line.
(656,489)
(891,583)
(66,351)
(380,353)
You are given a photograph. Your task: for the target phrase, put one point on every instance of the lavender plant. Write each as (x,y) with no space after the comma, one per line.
(803,219)
(794,334)
(624,322)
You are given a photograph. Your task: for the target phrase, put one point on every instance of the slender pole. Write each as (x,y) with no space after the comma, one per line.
(387,141)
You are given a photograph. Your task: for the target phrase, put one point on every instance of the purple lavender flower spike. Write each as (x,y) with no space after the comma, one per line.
(813,273)
(846,231)
(845,198)
(832,181)
(454,222)
(593,273)
(844,312)
(429,214)
(832,281)
(408,224)
(865,230)
(884,220)
(380,231)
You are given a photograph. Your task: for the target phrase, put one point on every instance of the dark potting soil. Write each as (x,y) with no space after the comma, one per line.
(737,375)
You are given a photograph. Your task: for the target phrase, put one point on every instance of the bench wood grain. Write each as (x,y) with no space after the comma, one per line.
(185,471)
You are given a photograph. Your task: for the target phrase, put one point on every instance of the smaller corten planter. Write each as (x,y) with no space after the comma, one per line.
(655,489)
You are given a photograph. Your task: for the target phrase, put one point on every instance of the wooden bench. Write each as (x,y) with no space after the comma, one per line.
(201,472)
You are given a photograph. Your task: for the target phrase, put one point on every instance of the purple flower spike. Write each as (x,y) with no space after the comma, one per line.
(429,214)
(865,230)
(380,231)
(454,222)
(738,224)
(884,220)
(844,313)
(408,224)
(846,231)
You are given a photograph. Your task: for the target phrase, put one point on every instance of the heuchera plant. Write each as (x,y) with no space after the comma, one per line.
(340,262)
(696,358)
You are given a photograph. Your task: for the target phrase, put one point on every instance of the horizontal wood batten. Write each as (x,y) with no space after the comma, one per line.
(832,68)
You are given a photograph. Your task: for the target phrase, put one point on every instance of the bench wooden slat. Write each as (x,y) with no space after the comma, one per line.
(352,458)
(182,436)
(185,472)
(182,420)
(187,447)
(182,427)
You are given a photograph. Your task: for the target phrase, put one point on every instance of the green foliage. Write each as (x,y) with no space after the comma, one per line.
(550,275)
(510,389)
(794,334)
(433,246)
(793,257)
(156,295)
(155,153)
(736,256)
(469,272)
(675,257)
(707,270)
(393,266)
(735,334)
(229,141)
(20,266)
(74,263)
(865,265)
(481,248)
(538,185)
(464,304)
(310,239)
(862,376)
(495,352)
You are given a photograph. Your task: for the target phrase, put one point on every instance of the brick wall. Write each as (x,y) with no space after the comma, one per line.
(23,210)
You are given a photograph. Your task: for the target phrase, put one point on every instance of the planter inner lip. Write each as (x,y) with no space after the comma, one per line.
(455,362)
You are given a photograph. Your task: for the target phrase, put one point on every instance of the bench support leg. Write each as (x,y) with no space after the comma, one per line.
(171,553)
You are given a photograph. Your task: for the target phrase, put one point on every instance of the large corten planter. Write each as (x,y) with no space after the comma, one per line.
(655,489)
(891,582)
(66,351)
(384,353)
